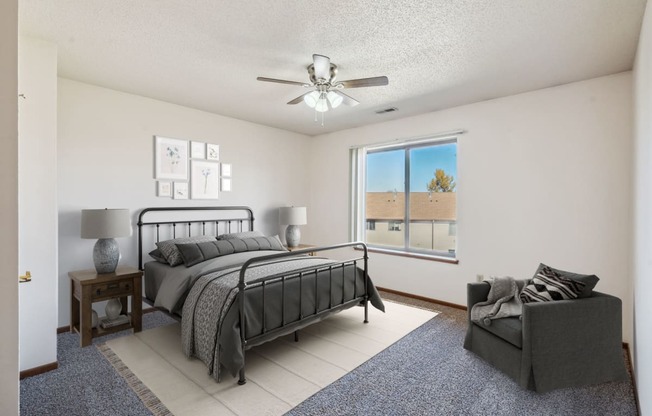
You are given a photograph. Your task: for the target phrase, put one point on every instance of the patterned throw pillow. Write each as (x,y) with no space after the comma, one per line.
(171,252)
(549,285)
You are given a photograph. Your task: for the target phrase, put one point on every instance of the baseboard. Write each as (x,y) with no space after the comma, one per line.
(423,298)
(39,370)
(631,367)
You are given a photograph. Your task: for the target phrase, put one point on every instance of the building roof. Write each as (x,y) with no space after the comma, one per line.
(423,206)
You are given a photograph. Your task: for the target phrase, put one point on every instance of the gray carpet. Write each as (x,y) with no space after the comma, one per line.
(425,373)
(85,383)
(429,373)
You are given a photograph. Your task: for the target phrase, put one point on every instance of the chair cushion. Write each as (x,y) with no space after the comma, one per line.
(509,329)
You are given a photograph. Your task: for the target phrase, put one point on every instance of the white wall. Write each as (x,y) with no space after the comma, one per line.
(105,160)
(542,177)
(37,190)
(9,207)
(642,223)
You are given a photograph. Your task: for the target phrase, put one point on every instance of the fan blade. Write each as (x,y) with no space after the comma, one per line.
(299,98)
(322,66)
(282,81)
(364,82)
(350,101)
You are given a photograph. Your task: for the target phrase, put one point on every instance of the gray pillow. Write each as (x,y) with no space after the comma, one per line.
(194,253)
(589,280)
(158,256)
(244,234)
(171,252)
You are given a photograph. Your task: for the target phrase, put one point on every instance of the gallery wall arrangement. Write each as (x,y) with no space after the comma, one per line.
(189,169)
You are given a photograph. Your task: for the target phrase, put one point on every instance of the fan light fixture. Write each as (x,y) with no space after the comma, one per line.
(327,94)
(321,101)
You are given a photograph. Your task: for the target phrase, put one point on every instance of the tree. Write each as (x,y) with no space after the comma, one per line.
(441,182)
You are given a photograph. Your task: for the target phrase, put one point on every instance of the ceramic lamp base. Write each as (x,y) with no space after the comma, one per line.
(292,235)
(106,255)
(113,308)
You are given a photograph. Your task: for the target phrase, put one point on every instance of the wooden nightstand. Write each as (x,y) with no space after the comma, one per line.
(86,287)
(303,247)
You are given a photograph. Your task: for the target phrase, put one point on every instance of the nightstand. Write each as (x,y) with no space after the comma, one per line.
(86,287)
(303,247)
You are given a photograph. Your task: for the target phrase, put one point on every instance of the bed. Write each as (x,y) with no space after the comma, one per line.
(233,288)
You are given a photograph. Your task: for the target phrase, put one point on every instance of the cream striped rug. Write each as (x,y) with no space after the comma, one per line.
(280,374)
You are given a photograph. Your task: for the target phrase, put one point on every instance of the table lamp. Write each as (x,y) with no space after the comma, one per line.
(293,217)
(106,225)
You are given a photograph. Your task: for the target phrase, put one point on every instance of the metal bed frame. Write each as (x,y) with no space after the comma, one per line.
(243,286)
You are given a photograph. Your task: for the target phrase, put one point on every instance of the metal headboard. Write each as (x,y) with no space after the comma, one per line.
(203,225)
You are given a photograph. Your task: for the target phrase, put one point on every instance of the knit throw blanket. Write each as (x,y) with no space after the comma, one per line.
(503,301)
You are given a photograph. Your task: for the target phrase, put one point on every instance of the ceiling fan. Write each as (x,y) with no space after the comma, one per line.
(327,92)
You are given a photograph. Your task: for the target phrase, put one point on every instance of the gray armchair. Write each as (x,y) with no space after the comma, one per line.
(566,343)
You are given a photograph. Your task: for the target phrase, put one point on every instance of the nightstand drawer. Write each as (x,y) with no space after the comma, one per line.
(111,289)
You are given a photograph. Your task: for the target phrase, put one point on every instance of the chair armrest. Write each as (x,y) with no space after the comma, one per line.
(476,292)
(599,314)
(565,338)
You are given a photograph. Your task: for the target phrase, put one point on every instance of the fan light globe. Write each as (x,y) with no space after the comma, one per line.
(334,99)
(311,99)
(322,105)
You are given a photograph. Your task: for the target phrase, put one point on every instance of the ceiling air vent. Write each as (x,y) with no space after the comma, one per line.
(387,110)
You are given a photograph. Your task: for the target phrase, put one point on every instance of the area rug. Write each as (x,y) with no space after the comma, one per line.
(281,374)
(429,373)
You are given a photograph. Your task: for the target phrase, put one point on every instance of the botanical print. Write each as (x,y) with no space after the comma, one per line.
(212,151)
(180,190)
(205,180)
(170,158)
(164,189)
(198,150)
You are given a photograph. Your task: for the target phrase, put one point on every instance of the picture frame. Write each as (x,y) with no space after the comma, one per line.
(170,158)
(197,150)
(226,170)
(180,190)
(205,181)
(226,185)
(212,151)
(163,189)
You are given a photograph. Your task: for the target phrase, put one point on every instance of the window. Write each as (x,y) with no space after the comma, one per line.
(414,184)
(394,226)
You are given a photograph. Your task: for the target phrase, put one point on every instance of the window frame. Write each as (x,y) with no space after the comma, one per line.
(357,204)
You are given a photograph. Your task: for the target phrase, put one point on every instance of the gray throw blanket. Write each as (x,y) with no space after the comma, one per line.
(503,301)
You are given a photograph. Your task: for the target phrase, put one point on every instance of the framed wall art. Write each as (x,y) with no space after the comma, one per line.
(198,150)
(180,190)
(212,151)
(226,184)
(163,189)
(204,179)
(226,170)
(170,158)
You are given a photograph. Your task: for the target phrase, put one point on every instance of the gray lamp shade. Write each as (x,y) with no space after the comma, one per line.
(292,215)
(105,223)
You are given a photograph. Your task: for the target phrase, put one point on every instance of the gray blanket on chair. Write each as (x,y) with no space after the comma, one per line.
(503,301)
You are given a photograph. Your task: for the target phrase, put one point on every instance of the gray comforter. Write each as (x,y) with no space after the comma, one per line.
(210,323)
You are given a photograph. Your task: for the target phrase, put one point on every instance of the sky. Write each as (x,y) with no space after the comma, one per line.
(386,170)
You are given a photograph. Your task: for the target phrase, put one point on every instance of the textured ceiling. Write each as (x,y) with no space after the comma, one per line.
(206,54)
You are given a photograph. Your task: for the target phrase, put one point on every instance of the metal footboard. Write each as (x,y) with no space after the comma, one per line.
(300,276)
